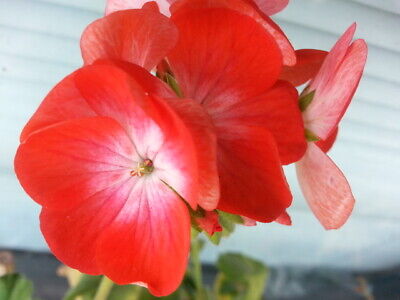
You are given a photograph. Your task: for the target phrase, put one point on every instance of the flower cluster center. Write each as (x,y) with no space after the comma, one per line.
(143,168)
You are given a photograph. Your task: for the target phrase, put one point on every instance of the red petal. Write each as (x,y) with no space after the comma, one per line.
(284,219)
(271,7)
(57,168)
(210,222)
(200,126)
(144,78)
(252,180)
(325,188)
(129,231)
(197,122)
(308,63)
(326,145)
(335,84)
(64,102)
(277,110)
(224,60)
(148,241)
(158,133)
(80,168)
(116,5)
(249,9)
(142,37)
(289,55)
(72,234)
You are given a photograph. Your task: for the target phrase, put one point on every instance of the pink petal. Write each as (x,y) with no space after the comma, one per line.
(334,59)
(116,5)
(271,7)
(249,222)
(335,85)
(284,219)
(325,188)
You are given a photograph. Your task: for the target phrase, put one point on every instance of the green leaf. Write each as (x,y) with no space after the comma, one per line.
(231,217)
(310,136)
(215,238)
(240,277)
(306,99)
(171,81)
(228,223)
(15,287)
(87,286)
(126,292)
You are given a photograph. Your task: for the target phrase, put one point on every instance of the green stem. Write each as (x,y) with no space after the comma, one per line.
(197,271)
(104,289)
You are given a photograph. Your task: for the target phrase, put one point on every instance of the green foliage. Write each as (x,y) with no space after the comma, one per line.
(240,278)
(15,287)
(171,81)
(86,288)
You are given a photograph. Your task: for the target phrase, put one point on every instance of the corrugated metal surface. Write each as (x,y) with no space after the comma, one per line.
(39,46)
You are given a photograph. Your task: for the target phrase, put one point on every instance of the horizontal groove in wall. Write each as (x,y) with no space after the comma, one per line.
(330,16)
(390,6)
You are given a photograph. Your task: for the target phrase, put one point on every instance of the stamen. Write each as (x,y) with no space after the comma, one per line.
(143,168)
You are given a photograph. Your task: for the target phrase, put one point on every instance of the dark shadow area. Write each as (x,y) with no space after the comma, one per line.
(284,283)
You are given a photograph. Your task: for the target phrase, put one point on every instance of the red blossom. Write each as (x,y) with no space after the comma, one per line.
(257,121)
(110,170)
(113,152)
(255,117)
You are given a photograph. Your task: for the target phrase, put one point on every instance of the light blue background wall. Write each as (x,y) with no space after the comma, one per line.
(39,46)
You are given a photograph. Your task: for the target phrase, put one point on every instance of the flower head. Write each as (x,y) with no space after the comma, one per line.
(110,166)
(254,116)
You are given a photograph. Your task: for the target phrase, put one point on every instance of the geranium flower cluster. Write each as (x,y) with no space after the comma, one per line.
(182,110)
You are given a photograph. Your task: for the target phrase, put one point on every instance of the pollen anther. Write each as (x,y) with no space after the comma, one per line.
(143,168)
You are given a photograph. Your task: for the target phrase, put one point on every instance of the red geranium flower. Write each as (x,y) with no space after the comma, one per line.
(233,75)
(110,165)
(110,175)
(323,184)
(111,151)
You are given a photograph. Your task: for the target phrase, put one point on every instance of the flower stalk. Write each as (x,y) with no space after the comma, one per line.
(104,289)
